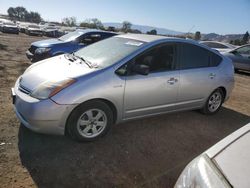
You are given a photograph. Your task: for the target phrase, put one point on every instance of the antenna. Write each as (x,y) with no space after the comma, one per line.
(187,34)
(191,29)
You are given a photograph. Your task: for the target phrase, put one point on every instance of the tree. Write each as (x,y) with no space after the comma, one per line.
(33,17)
(152,32)
(245,38)
(126,26)
(197,35)
(21,14)
(69,21)
(17,13)
(93,23)
(97,23)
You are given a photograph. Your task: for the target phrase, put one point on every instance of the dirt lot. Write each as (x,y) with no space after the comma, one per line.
(144,153)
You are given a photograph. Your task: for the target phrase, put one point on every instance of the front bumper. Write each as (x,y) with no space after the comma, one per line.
(36,57)
(43,116)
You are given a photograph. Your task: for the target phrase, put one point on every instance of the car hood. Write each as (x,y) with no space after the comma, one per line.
(47,43)
(231,155)
(10,26)
(54,69)
(34,29)
(223,50)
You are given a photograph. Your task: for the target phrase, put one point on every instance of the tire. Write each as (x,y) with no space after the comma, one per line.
(214,102)
(83,125)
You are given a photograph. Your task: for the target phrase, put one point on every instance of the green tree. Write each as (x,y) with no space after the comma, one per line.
(69,21)
(126,26)
(93,23)
(152,32)
(17,13)
(97,23)
(33,17)
(197,35)
(245,38)
(21,14)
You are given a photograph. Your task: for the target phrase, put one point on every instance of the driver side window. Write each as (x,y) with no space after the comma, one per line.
(158,59)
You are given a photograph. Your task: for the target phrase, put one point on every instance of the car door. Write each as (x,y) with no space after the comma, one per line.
(241,57)
(156,92)
(197,77)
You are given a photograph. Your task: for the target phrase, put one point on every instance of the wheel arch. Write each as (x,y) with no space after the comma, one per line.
(106,101)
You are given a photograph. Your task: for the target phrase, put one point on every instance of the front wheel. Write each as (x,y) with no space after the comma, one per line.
(89,121)
(214,102)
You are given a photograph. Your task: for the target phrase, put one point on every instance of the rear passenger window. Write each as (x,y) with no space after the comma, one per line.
(194,57)
(215,60)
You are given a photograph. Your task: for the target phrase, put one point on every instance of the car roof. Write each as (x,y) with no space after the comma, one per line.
(143,37)
(94,30)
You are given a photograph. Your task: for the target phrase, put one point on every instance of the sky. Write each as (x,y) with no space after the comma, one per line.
(206,16)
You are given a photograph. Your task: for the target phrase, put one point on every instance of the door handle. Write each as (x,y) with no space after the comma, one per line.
(171,81)
(212,75)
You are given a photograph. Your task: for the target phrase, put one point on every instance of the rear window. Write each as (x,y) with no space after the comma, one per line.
(193,56)
(215,60)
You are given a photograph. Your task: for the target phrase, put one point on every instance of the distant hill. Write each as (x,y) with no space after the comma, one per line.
(144,28)
(222,38)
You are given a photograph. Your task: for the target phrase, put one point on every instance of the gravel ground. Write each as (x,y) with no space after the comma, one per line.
(144,153)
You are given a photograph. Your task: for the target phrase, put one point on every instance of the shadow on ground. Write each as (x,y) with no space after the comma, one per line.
(149,153)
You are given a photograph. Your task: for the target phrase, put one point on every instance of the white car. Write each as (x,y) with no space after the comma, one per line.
(226,164)
(219,46)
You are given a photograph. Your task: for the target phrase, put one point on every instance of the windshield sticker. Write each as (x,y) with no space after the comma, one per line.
(134,43)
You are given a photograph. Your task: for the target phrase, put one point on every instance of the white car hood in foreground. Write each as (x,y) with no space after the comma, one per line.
(232,157)
(53,69)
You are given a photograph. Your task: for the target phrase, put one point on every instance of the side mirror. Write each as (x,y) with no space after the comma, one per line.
(140,69)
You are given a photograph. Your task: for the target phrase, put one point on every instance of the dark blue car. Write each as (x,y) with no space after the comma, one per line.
(68,43)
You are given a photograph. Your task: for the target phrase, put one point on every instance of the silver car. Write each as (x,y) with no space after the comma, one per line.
(121,78)
(225,165)
(240,57)
(219,46)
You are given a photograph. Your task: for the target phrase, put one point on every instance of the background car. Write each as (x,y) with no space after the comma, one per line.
(224,165)
(10,27)
(33,29)
(240,57)
(219,46)
(68,43)
(121,78)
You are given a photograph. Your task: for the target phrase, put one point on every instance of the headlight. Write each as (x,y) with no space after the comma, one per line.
(49,89)
(201,173)
(42,50)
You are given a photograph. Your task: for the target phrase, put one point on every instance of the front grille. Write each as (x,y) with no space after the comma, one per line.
(24,89)
(32,49)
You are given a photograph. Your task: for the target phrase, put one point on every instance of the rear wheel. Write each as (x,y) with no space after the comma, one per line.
(214,102)
(89,121)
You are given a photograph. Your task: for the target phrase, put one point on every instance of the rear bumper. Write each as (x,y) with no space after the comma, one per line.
(42,116)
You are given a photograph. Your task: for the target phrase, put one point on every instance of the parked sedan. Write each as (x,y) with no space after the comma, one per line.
(240,57)
(33,30)
(9,27)
(219,46)
(121,78)
(68,43)
(225,165)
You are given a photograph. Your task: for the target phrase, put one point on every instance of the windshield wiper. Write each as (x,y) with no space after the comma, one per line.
(84,60)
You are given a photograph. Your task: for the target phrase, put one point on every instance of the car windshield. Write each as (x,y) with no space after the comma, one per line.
(71,36)
(109,51)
